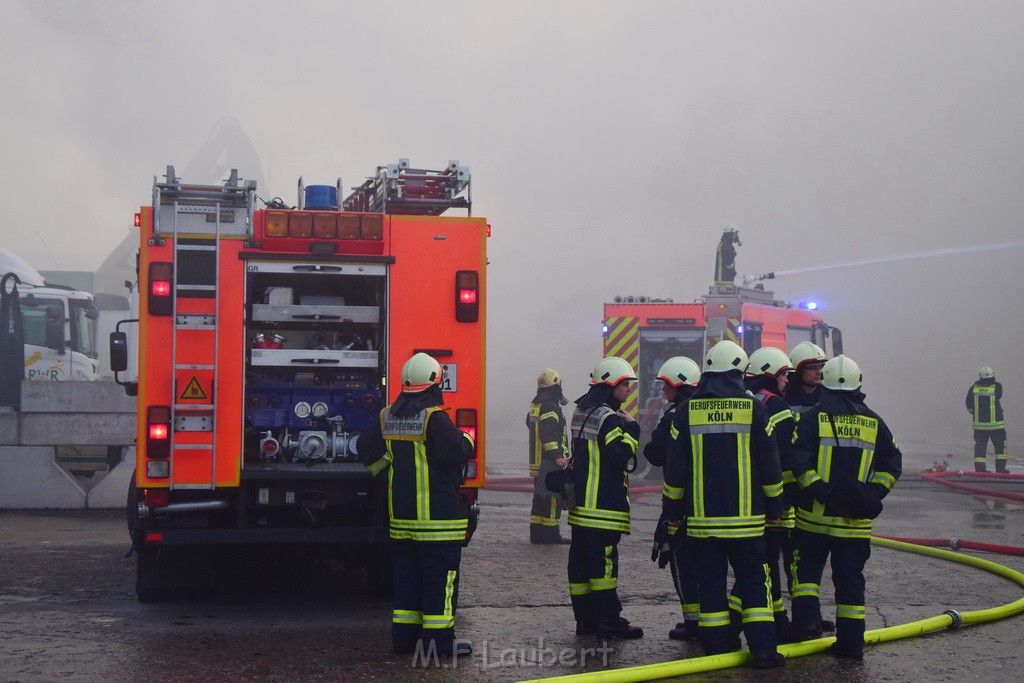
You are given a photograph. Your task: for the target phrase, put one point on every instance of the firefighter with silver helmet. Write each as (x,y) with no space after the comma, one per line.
(429,522)
(807,359)
(605,439)
(679,377)
(722,478)
(984,404)
(846,461)
(549,451)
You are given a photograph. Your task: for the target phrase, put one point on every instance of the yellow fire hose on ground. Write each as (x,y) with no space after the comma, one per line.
(948,619)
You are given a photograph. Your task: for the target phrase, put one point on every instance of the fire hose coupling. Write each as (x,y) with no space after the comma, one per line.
(957,619)
(954,543)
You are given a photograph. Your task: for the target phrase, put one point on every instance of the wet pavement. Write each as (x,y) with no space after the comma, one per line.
(68,610)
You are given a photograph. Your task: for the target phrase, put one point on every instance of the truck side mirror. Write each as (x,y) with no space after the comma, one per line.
(837,341)
(118,351)
(55,331)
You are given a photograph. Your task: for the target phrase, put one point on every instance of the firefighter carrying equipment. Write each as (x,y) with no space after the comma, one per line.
(611,371)
(726,356)
(420,372)
(425,455)
(841,374)
(679,370)
(806,353)
(769,361)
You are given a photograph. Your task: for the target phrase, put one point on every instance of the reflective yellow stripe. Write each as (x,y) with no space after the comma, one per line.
(422,480)
(713,619)
(673,492)
(579,588)
(406,616)
(697,474)
(377,467)
(593,470)
(850,611)
(758,614)
(744,496)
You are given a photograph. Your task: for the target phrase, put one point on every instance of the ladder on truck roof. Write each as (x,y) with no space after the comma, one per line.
(400,189)
(197,216)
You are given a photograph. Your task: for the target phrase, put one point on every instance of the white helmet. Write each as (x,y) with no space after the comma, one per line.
(420,373)
(769,361)
(725,356)
(986,373)
(611,371)
(678,371)
(806,352)
(548,378)
(841,374)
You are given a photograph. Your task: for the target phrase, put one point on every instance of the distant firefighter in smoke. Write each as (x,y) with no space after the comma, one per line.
(725,256)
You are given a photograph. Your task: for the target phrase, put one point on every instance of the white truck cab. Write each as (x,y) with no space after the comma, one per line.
(59,326)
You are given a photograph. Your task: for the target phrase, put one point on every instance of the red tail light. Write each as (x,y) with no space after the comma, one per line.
(465,419)
(157,498)
(138,220)
(158,432)
(467,296)
(161,285)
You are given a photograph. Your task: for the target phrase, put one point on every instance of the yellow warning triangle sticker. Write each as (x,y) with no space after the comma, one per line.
(193,392)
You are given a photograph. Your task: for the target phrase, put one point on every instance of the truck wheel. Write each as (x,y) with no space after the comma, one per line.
(132,506)
(152,581)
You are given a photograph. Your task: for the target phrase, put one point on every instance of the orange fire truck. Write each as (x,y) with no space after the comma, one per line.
(266,339)
(647,332)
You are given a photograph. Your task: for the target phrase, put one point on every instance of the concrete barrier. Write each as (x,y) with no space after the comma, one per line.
(67,415)
(31,479)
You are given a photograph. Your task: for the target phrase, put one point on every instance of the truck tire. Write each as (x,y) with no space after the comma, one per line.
(132,506)
(152,576)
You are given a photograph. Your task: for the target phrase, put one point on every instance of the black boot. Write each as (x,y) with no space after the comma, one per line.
(837,650)
(685,630)
(768,660)
(537,534)
(980,467)
(1001,467)
(617,627)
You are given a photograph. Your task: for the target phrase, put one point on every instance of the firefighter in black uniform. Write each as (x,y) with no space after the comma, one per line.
(679,376)
(722,477)
(549,450)
(767,377)
(604,446)
(427,455)
(846,461)
(725,256)
(804,386)
(984,404)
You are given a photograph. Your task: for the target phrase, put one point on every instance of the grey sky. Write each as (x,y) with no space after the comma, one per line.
(609,142)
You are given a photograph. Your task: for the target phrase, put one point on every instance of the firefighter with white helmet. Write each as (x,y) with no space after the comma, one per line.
(549,450)
(984,403)
(679,376)
(604,443)
(429,522)
(722,478)
(767,378)
(846,461)
(807,359)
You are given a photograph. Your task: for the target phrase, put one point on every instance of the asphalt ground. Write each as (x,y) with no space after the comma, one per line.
(68,610)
